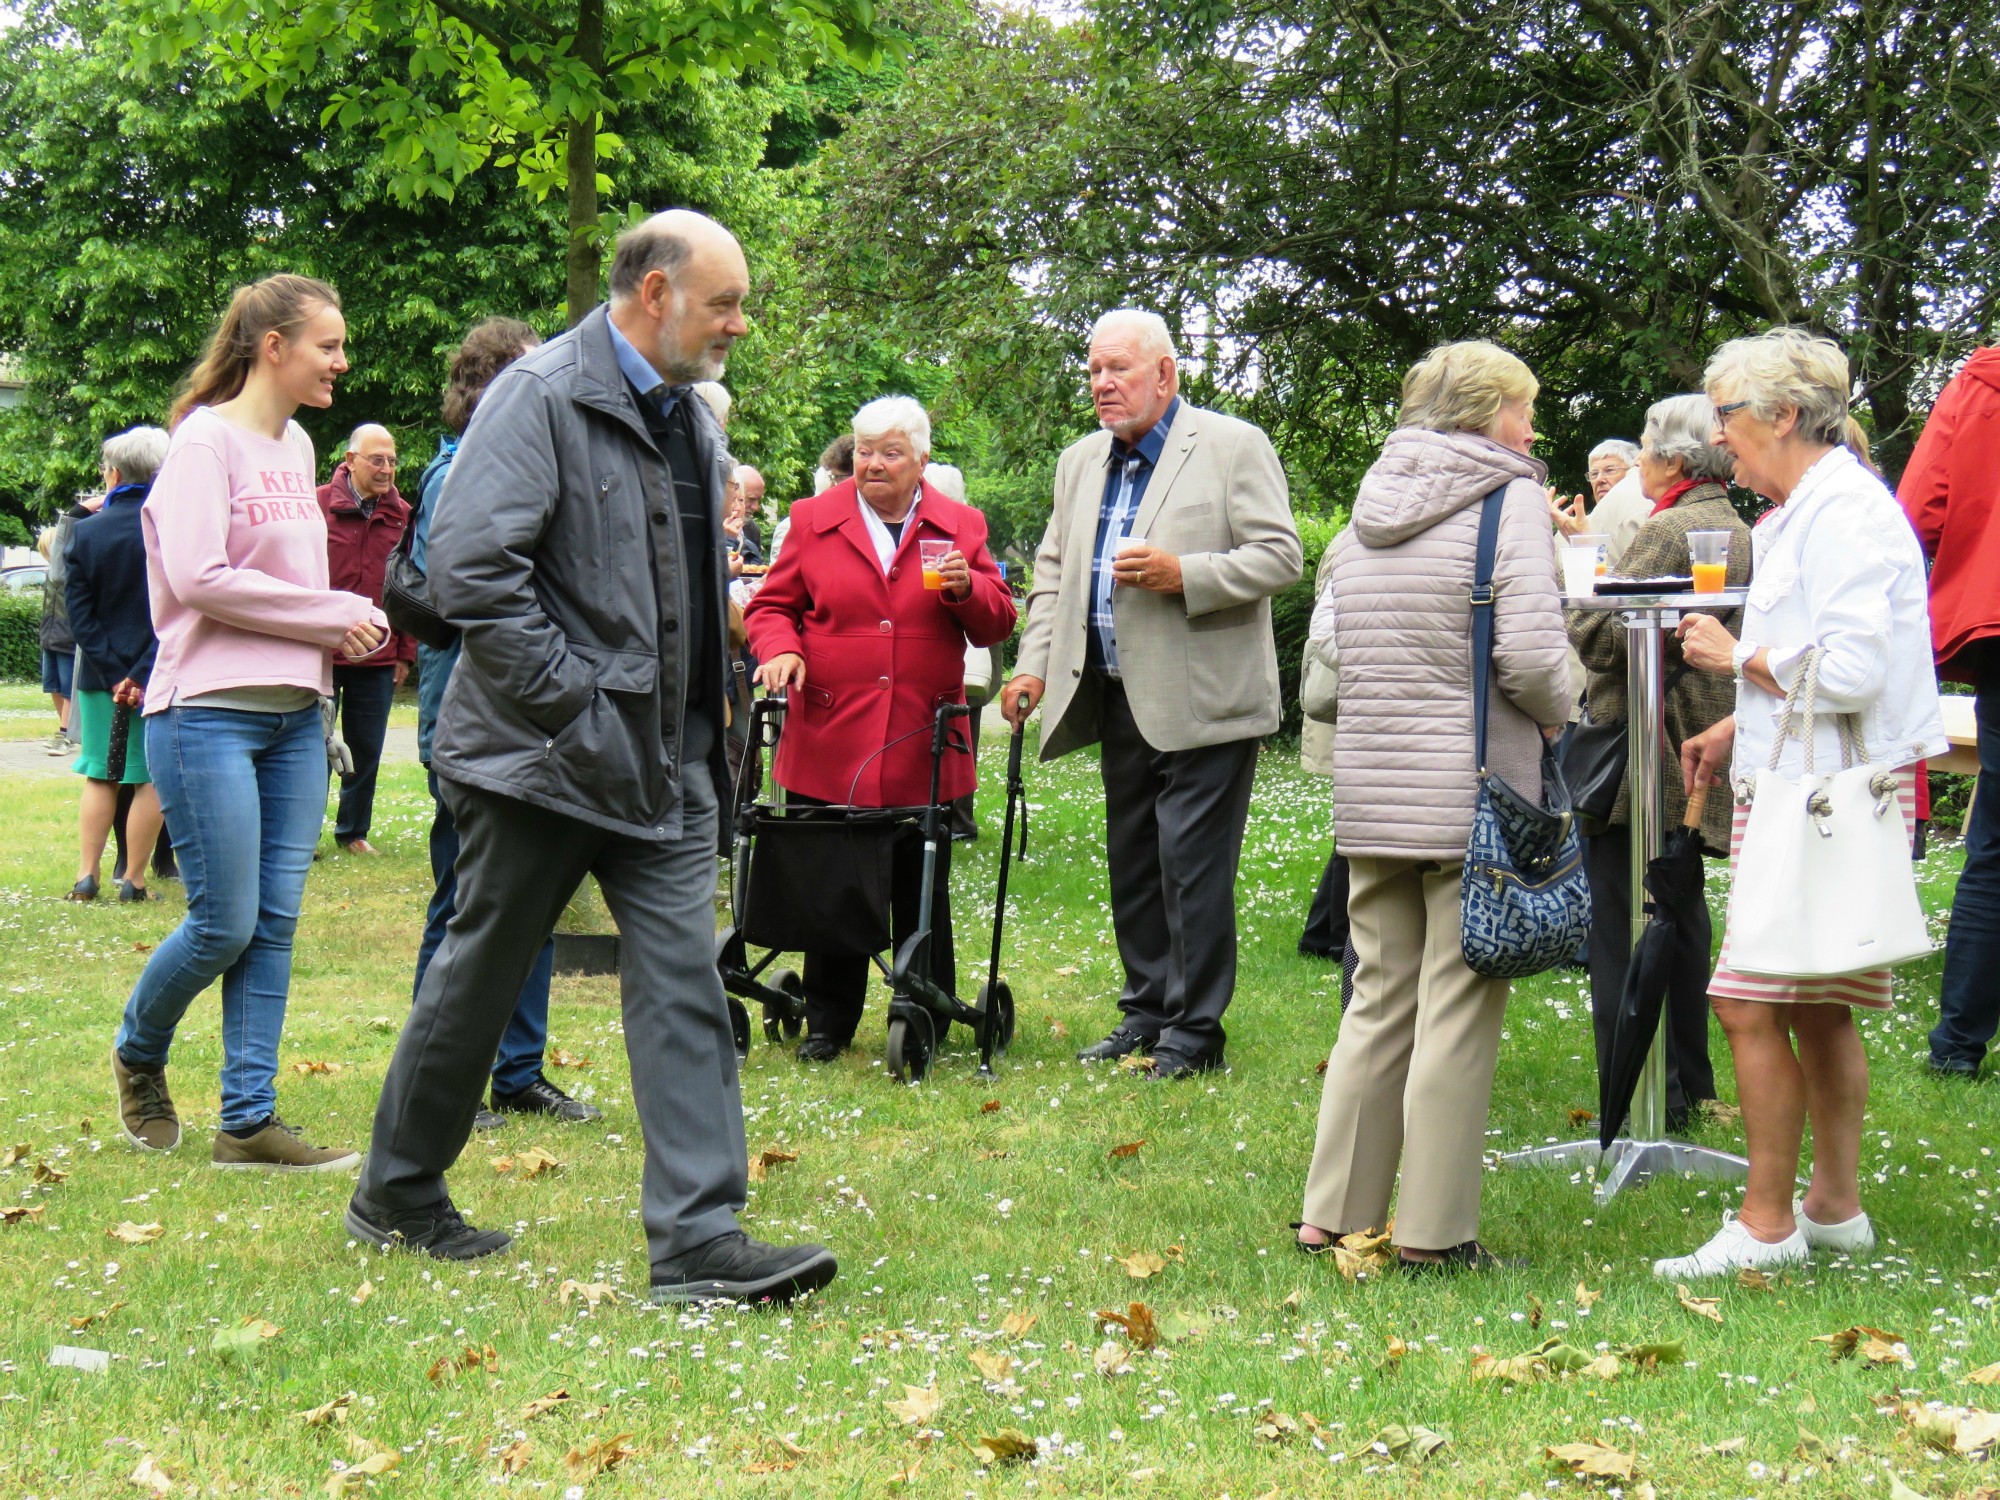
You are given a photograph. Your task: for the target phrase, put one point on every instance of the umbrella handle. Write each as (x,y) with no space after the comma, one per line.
(1697,800)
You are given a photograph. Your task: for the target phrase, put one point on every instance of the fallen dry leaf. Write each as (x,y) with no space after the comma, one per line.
(917,1407)
(1130,1148)
(595,1457)
(13,1156)
(1876,1346)
(1598,1460)
(514,1457)
(1534,1312)
(1578,1118)
(908,1473)
(49,1176)
(15,1213)
(1135,1062)
(1701,1307)
(992,1366)
(1068,971)
(562,1057)
(1294,1299)
(763,1161)
(1057,1029)
(1015,1324)
(1727,1445)
(79,1324)
(985,1154)
(128,1233)
(1956,1429)
(354,1476)
(1753,1280)
(331,1414)
(1901,1491)
(1008,1445)
(150,1476)
(990,1107)
(316,1066)
(1988,1376)
(482,1357)
(1142,1264)
(1138,1322)
(1396,1440)
(532,1162)
(1720,1113)
(362,1293)
(592,1292)
(1112,1359)
(1585,1297)
(541,1406)
(1276,1426)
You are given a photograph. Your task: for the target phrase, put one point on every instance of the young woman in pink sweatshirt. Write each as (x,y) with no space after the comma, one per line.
(237,572)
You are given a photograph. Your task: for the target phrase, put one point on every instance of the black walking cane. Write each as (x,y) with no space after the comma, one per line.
(996,997)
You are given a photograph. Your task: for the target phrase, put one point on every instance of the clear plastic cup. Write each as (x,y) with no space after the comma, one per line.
(931,554)
(1708,559)
(1583,563)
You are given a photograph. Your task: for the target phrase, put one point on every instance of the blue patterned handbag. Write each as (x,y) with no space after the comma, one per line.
(1524,900)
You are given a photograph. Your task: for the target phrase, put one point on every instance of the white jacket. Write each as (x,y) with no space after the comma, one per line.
(1839,567)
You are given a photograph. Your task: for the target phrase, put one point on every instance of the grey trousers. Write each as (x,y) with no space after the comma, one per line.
(517,868)
(1174,829)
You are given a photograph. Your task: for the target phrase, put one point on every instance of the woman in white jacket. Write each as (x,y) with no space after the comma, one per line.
(1838,569)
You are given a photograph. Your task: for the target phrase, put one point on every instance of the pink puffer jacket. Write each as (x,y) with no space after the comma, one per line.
(1404,780)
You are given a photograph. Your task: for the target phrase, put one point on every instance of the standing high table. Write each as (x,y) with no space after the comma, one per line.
(1645,1150)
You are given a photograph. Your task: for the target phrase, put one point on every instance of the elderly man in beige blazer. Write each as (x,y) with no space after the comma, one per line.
(1149,630)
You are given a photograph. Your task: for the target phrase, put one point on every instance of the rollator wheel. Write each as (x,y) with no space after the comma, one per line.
(1000,999)
(786,1021)
(911,1041)
(739,1028)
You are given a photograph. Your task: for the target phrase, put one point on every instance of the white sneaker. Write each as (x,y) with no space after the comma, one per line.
(1734,1248)
(1855,1236)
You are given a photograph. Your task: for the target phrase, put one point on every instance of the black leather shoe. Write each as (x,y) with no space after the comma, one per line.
(485,1119)
(1952,1067)
(543,1098)
(1122,1042)
(819,1049)
(1170,1064)
(736,1268)
(1470,1256)
(438,1231)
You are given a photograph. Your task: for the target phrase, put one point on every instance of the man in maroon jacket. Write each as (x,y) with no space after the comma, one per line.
(365,517)
(1951,490)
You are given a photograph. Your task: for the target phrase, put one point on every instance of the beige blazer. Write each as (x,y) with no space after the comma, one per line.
(1199,667)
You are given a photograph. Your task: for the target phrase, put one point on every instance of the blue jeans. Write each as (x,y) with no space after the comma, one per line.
(1969,998)
(526,1039)
(362,696)
(245,793)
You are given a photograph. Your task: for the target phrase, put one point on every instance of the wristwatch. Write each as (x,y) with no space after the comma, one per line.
(1739,657)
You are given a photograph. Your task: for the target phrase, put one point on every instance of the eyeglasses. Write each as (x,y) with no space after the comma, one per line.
(379,460)
(1723,411)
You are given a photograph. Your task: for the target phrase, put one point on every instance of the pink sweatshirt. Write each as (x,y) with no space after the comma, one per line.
(236,565)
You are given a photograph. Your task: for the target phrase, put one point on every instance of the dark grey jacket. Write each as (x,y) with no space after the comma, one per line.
(543,553)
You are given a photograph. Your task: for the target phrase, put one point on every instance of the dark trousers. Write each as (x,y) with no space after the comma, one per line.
(1325,935)
(1174,834)
(361,696)
(526,1039)
(1607,859)
(518,867)
(1969,999)
(837,985)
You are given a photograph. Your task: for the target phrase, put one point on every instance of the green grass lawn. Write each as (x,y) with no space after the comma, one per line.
(959,1209)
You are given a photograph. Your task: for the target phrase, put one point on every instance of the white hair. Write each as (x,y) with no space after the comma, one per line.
(948,478)
(718,399)
(1786,367)
(365,431)
(742,472)
(1155,338)
(1679,428)
(136,454)
(894,414)
(1626,452)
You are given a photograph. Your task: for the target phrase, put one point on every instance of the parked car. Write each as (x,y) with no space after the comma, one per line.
(31,576)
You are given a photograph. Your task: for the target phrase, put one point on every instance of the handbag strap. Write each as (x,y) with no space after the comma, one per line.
(1799,705)
(1482,618)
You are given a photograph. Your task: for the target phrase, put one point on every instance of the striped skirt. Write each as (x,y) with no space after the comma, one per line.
(1869,988)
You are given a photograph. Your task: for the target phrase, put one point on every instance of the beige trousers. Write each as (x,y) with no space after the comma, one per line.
(1412,1069)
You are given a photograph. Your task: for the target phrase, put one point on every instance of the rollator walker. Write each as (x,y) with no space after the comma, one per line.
(818,880)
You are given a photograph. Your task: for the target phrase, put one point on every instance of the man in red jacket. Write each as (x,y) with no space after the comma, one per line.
(365,517)
(1951,490)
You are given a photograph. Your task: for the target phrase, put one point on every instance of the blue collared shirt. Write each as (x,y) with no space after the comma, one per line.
(638,370)
(1127,470)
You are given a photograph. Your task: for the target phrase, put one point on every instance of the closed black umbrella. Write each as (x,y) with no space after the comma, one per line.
(1671,956)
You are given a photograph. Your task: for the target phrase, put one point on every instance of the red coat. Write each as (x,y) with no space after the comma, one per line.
(357,554)
(1951,492)
(880,653)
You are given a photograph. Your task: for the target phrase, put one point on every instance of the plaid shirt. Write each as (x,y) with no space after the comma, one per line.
(1127,470)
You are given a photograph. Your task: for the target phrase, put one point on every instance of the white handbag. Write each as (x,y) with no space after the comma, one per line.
(1823,883)
(978,669)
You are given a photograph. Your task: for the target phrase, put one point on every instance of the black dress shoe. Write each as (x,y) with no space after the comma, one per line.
(438,1230)
(1170,1064)
(736,1268)
(1122,1042)
(1951,1067)
(543,1098)
(1470,1256)
(819,1049)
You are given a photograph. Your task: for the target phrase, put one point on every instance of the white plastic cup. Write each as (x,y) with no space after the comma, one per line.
(1582,560)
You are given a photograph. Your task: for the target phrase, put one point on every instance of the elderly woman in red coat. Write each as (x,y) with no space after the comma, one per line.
(866,649)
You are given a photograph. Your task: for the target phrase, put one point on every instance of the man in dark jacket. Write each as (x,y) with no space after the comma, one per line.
(365,517)
(578,547)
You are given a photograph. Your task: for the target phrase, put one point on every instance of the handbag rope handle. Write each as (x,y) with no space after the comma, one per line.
(1802,698)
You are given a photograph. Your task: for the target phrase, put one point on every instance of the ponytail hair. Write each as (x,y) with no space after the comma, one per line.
(283,302)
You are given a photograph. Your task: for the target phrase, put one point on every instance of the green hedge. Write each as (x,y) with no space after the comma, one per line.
(20,635)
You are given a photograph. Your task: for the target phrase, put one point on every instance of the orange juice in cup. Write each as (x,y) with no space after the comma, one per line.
(1708,560)
(931,554)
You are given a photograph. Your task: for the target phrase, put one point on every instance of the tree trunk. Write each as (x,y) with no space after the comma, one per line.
(586,257)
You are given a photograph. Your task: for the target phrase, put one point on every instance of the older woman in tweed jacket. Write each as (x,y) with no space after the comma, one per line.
(1686,479)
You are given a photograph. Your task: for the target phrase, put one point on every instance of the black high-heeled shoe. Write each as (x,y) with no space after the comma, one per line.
(1306,1248)
(84,890)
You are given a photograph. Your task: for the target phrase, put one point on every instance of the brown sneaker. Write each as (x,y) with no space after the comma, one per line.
(278,1147)
(144,1108)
